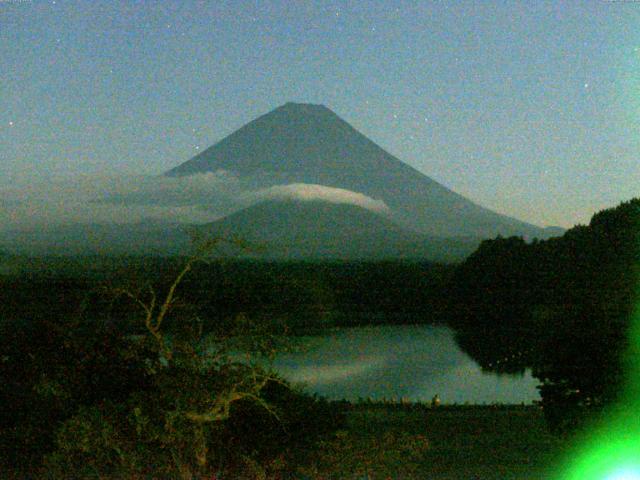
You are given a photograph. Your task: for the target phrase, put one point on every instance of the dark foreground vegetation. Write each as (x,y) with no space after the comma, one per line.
(562,307)
(414,441)
(103,374)
(121,388)
(303,295)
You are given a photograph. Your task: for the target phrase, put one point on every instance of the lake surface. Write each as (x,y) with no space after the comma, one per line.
(414,362)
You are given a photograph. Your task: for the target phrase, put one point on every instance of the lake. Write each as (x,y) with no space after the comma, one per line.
(414,362)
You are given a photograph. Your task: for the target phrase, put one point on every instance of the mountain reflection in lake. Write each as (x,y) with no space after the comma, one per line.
(414,362)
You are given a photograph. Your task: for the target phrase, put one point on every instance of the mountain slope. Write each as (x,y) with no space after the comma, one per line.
(315,230)
(302,143)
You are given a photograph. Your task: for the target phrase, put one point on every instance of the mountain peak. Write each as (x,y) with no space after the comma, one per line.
(303,106)
(302,143)
(303,109)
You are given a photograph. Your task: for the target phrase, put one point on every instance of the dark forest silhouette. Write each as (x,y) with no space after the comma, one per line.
(561,307)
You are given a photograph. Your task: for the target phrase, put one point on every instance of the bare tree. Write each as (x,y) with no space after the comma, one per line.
(248,377)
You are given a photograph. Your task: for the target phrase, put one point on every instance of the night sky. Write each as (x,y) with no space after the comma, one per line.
(529,108)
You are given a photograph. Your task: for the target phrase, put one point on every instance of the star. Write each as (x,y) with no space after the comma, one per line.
(586,85)
(11,124)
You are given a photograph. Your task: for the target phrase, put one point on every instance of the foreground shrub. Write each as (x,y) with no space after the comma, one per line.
(205,411)
(394,454)
(51,367)
(153,436)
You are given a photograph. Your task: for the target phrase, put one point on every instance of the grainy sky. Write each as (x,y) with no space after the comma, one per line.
(529,108)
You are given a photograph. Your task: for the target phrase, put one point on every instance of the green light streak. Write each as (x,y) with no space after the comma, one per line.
(611,450)
(625,474)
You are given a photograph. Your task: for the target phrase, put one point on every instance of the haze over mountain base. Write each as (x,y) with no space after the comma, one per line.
(299,179)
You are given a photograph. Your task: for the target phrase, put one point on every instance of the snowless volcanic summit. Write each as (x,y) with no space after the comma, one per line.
(309,144)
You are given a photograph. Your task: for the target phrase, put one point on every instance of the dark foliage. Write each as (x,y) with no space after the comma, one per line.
(84,386)
(302,295)
(149,433)
(561,307)
(317,295)
(51,367)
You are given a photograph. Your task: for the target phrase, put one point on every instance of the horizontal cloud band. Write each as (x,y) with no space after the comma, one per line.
(195,199)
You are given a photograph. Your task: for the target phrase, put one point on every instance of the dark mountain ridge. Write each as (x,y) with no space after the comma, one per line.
(324,230)
(278,229)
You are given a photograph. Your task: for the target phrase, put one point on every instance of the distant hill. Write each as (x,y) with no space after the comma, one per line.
(303,143)
(550,232)
(323,230)
(145,238)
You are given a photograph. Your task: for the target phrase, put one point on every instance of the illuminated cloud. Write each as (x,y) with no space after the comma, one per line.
(327,374)
(201,189)
(192,199)
(310,192)
(91,199)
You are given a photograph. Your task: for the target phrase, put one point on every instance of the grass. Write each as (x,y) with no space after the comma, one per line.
(404,442)
(465,443)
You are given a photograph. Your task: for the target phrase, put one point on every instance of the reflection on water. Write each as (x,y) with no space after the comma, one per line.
(414,362)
